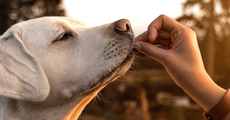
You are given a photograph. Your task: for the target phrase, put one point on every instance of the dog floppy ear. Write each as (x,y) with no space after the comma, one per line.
(21,76)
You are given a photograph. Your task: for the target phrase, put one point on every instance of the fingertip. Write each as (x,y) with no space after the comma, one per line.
(142,37)
(137,45)
(152,33)
(138,54)
(152,51)
(151,38)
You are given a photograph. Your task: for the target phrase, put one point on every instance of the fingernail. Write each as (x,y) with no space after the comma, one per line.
(137,45)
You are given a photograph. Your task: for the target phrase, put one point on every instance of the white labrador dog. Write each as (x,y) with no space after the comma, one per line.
(52,67)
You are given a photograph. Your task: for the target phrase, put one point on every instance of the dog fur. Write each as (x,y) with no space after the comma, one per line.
(52,67)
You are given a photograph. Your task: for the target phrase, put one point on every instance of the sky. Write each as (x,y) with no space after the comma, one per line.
(140,12)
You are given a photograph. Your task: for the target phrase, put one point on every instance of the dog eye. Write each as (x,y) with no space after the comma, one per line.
(65,36)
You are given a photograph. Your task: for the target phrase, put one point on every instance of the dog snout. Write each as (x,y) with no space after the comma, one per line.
(122,25)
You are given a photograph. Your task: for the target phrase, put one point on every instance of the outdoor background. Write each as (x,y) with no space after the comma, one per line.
(146,92)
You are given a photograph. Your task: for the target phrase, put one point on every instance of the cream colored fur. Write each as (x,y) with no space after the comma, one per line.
(52,67)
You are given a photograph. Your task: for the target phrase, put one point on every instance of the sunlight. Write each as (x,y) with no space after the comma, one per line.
(140,13)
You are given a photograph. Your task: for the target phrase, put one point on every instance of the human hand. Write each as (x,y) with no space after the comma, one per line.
(177,49)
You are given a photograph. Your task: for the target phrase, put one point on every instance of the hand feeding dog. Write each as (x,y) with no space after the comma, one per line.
(52,67)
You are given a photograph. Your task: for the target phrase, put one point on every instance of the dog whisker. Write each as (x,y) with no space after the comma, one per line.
(56,108)
(99,99)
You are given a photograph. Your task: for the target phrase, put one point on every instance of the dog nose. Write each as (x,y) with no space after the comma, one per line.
(122,25)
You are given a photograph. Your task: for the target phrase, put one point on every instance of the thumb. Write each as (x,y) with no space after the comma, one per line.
(150,50)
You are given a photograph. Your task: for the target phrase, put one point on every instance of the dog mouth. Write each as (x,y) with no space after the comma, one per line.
(111,75)
(117,55)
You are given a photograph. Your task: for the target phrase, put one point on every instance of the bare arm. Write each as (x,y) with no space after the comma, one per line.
(179,53)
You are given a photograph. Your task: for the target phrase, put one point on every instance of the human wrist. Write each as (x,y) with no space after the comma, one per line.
(221,109)
(203,90)
(188,79)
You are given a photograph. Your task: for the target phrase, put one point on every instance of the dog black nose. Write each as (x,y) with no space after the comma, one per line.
(122,25)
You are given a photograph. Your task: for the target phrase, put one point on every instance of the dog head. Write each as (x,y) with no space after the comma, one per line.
(52,58)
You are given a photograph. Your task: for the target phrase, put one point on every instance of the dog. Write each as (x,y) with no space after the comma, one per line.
(52,67)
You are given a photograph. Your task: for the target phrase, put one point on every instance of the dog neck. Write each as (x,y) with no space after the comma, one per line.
(76,111)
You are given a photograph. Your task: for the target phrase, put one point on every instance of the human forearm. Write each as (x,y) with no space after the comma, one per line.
(175,47)
(202,89)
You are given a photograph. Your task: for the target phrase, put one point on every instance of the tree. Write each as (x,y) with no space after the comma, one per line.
(13,11)
(210,19)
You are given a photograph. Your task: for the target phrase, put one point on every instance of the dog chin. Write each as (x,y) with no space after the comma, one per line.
(117,71)
(120,69)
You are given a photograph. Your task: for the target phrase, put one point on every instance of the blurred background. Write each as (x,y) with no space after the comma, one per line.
(146,91)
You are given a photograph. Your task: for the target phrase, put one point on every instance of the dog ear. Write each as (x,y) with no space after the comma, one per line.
(21,76)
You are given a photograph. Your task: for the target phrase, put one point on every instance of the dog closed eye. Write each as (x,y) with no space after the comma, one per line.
(64,37)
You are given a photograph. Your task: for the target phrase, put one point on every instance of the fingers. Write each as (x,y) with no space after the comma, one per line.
(138,54)
(159,37)
(149,50)
(162,27)
(141,54)
(162,41)
(143,37)
(161,23)
(164,34)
